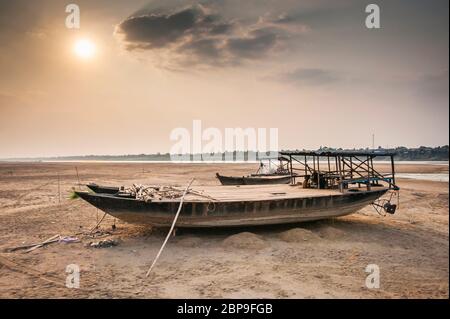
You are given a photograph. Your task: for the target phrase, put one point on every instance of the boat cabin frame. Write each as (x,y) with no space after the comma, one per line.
(338,169)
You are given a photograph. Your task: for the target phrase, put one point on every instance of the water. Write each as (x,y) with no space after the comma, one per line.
(440,163)
(444,163)
(440,177)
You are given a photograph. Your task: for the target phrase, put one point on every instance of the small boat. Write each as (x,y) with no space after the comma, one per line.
(99,189)
(254,179)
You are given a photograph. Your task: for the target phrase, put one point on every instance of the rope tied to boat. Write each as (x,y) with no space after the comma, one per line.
(171,228)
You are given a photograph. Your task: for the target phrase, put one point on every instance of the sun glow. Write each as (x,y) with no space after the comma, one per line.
(84,48)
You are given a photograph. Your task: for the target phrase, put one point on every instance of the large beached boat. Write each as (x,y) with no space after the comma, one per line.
(345,184)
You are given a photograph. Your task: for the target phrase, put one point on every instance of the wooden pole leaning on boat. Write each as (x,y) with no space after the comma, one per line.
(171,228)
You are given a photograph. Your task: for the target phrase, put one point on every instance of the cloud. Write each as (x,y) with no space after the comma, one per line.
(17,19)
(202,33)
(158,30)
(252,47)
(310,76)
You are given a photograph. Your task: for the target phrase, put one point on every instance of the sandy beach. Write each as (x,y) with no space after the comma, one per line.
(324,259)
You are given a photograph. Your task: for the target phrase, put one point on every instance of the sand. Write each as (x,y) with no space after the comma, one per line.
(244,240)
(298,235)
(325,259)
(330,232)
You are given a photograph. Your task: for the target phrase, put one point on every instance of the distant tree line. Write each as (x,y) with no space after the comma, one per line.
(422,153)
(439,153)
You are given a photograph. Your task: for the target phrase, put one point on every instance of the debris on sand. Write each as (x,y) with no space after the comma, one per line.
(297,235)
(330,232)
(98,233)
(32,247)
(189,242)
(69,239)
(51,240)
(104,243)
(245,240)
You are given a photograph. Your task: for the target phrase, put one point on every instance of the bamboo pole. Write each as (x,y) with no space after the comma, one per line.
(392,170)
(171,228)
(59,189)
(45,242)
(341,185)
(318,172)
(78,177)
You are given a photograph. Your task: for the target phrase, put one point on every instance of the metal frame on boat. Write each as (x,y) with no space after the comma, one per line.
(341,169)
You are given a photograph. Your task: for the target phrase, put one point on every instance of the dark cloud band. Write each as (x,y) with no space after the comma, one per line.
(198,34)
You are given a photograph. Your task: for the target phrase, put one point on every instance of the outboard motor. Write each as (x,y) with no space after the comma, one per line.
(390,208)
(386,204)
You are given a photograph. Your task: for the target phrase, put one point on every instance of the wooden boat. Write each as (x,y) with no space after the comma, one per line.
(254,179)
(102,189)
(245,205)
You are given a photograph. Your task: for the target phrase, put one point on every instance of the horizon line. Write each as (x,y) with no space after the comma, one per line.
(193,154)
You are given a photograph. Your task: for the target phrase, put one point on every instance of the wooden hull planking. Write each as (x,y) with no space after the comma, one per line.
(233,213)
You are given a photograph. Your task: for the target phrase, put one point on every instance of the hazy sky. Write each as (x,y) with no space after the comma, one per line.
(310,68)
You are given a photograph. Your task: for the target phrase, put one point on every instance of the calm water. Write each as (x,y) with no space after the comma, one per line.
(444,163)
(426,177)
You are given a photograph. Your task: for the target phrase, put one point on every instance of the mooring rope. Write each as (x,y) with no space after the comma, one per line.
(171,228)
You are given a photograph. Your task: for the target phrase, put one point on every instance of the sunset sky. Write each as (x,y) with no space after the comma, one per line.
(135,70)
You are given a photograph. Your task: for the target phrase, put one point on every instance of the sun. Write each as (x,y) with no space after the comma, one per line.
(84,48)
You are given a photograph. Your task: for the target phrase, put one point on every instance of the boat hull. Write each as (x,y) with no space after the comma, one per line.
(196,214)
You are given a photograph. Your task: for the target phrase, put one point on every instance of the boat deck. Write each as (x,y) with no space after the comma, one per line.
(258,192)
